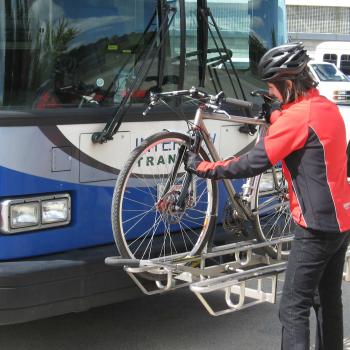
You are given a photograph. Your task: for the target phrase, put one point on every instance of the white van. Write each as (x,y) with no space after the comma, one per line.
(337,52)
(332,83)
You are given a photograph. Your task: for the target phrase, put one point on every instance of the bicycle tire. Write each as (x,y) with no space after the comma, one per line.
(161,237)
(273,218)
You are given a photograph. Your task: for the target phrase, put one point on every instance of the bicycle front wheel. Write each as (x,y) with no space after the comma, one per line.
(147,223)
(271,204)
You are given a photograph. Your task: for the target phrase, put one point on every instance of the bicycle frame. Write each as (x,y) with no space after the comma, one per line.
(200,134)
(199,125)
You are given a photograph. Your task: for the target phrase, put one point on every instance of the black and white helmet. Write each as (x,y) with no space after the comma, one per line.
(285,62)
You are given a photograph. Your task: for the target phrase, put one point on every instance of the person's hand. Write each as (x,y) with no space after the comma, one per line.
(269,108)
(191,161)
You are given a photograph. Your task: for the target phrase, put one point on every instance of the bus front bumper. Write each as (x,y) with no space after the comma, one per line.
(74,281)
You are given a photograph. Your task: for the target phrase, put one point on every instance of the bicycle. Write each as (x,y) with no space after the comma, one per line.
(159,210)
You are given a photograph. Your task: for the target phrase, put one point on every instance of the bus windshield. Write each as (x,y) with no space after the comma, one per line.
(56,51)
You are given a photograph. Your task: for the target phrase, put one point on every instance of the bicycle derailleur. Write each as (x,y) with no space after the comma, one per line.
(232,220)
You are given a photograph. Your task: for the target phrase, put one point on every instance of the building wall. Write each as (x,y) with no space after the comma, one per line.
(312,23)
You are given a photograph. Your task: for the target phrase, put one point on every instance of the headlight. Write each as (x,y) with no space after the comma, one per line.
(341,96)
(54,210)
(341,92)
(24,215)
(35,213)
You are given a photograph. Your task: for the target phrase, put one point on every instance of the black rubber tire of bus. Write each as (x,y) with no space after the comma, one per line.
(118,192)
(260,235)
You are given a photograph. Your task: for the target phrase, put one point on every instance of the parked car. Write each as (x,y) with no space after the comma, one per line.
(334,85)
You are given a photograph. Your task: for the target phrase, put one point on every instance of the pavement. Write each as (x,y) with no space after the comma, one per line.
(173,321)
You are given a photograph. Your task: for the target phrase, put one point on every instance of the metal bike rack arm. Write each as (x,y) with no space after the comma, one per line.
(230,278)
(214,284)
(235,286)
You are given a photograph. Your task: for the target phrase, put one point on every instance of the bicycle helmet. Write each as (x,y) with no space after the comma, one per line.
(285,62)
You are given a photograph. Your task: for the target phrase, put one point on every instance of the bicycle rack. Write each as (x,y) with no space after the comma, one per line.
(346,274)
(242,279)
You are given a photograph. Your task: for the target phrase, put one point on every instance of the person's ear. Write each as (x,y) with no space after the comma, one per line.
(289,84)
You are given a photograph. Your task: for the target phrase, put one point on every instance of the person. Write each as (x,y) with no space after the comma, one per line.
(64,89)
(307,134)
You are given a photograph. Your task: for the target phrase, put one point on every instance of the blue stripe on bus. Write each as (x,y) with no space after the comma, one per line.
(90,225)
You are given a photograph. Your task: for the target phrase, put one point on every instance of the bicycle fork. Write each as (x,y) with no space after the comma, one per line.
(194,146)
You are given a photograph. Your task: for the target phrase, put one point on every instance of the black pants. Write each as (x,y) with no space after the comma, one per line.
(315,268)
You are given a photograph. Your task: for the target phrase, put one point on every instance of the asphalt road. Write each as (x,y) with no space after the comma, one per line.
(173,321)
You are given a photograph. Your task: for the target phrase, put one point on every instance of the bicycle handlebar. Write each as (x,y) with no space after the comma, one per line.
(195,93)
(156,97)
(239,103)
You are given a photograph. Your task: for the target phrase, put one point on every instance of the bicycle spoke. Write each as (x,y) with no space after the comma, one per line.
(134,217)
(187,235)
(144,235)
(147,185)
(138,202)
(150,241)
(135,224)
(189,228)
(142,191)
(183,237)
(274,216)
(150,204)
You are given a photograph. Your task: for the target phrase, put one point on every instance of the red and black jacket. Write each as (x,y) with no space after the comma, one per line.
(308,135)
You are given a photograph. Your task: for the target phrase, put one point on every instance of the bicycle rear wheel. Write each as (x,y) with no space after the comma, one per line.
(146,222)
(271,203)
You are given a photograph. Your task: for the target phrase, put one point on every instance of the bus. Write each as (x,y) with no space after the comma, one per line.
(66,68)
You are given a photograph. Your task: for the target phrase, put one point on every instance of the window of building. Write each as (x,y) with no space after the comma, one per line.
(345,64)
(330,57)
(318,19)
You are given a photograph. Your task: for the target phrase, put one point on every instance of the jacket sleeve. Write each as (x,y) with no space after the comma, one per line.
(287,134)
(247,165)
